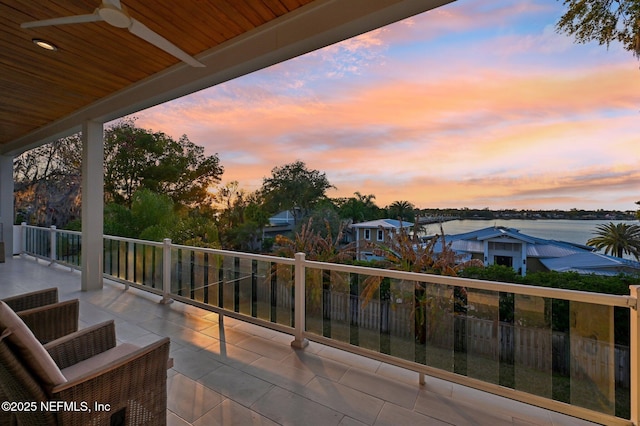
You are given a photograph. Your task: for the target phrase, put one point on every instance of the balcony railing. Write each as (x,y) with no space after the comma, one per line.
(569,351)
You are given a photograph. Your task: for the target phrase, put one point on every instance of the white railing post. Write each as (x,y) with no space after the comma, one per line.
(166,272)
(54,242)
(634,357)
(23,238)
(299,341)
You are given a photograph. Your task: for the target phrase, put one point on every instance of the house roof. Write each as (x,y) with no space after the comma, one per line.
(101,73)
(473,242)
(383,223)
(592,263)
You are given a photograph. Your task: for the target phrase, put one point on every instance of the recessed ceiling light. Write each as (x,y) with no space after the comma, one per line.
(45,44)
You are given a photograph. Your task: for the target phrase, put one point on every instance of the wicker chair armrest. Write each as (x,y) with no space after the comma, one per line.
(137,381)
(31,300)
(53,321)
(82,344)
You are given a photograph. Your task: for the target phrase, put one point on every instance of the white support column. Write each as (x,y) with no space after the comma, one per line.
(92,205)
(6,204)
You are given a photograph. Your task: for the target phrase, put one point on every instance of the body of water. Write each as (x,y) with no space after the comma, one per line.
(574,231)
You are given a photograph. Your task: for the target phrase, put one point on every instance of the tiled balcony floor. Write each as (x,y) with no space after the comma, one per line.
(239,374)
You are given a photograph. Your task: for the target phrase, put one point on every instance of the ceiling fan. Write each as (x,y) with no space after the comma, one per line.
(113,13)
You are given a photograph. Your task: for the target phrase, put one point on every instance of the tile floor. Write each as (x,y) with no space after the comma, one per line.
(234,373)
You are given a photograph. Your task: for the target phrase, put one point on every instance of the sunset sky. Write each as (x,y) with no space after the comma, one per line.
(475,104)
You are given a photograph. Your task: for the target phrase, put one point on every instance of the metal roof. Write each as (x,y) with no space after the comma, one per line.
(590,263)
(383,223)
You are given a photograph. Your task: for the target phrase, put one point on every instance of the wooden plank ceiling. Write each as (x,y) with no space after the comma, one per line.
(95,60)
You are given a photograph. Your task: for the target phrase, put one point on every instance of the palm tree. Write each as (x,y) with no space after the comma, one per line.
(617,239)
(403,210)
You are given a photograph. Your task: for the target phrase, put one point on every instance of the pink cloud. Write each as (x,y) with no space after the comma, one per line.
(438,132)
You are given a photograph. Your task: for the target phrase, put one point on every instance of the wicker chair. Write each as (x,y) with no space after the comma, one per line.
(35,299)
(47,318)
(128,383)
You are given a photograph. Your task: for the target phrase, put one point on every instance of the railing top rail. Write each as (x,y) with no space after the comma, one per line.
(68,231)
(554,293)
(250,256)
(44,228)
(49,229)
(133,240)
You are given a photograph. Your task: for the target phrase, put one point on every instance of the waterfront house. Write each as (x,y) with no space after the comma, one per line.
(374,231)
(509,247)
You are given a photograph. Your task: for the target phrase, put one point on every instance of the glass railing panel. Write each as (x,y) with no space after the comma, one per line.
(179,273)
(229,282)
(439,328)
(199,276)
(592,357)
(399,317)
(38,241)
(314,301)
(68,248)
(369,309)
(214,277)
(184,272)
(532,348)
(153,274)
(336,304)
(122,260)
(264,291)
(245,286)
(107,260)
(138,262)
(282,294)
(482,335)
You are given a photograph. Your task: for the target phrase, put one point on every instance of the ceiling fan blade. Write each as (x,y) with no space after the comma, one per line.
(115,3)
(157,40)
(76,19)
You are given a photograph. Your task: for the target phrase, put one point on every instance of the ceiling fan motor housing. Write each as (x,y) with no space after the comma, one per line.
(114,16)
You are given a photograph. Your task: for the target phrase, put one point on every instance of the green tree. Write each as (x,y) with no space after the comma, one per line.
(323,218)
(617,239)
(153,215)
(241,217)
(228,201)
(359,208)
(402,210)
(294,187)
(47,183)
(603,21)
(136,158)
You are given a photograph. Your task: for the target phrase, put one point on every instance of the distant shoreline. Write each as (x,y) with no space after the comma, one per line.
(435,216)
